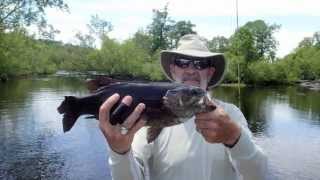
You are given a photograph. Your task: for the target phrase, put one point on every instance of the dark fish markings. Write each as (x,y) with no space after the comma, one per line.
(166,104)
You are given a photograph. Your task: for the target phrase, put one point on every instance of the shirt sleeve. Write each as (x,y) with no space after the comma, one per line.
(134,164)
(249,158)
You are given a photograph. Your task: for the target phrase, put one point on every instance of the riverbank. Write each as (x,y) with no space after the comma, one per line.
(233,85)
(101,78)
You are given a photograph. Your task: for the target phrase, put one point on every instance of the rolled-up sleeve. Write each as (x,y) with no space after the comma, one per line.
(132,165)
(249,158)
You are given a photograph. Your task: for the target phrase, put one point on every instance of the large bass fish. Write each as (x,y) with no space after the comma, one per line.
(167,104)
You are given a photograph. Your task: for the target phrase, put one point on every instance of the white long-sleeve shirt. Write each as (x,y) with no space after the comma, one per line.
(180,152)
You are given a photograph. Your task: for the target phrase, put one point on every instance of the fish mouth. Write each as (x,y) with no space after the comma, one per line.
(191,77)
(182,97)
(185,106)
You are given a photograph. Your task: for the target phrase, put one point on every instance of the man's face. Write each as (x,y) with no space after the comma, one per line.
(191,75)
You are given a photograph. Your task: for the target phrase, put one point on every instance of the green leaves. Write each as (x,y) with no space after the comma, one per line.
(255,41)
(250,51)
(17,13)
(242,43)
(219,44)
(165,32)
(22,55)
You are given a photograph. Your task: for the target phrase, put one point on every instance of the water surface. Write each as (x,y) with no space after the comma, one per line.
(285,122)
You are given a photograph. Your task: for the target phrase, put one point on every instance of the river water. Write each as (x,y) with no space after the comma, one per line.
(285,122)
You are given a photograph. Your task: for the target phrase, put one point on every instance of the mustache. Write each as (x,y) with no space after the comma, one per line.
(189,77)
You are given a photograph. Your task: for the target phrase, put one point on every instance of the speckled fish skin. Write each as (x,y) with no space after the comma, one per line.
(166,104)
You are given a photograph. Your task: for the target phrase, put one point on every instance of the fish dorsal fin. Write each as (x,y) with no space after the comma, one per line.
(95,85)
(101,88)
(153,133)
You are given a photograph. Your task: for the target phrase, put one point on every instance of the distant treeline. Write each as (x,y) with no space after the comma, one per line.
(250,51)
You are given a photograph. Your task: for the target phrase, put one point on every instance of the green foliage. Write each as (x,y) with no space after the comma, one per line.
(255,41)
(316,39)
(306,42)
(303,64)
(264,41)
(85,40)
(143,40)
(235,66)
(165,32)
(16,13)
(218,44)
(305,61)
(266,73)
(178,30)
(250,51)
(125,60)
(242,44)
(99,27)
(159,28)
(21,55)
(73,58)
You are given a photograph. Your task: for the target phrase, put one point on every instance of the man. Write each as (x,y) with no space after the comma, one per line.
(213,145)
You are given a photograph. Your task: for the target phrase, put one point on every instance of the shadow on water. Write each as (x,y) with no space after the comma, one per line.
(34,146)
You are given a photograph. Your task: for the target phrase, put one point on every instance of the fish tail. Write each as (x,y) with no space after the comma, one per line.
(70,110)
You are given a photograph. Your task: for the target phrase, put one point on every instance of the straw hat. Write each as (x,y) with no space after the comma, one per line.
(193,46)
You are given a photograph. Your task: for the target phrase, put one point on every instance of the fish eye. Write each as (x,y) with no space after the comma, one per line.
(173,91)
(194,92)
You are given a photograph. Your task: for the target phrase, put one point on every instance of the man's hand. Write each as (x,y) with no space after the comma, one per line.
(217,127)
(119,142)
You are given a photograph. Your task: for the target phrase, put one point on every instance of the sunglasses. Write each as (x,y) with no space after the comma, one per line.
(197,64)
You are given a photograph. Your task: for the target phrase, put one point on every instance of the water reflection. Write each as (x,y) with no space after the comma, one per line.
(285,122)
(256,103)
(33,145)
(286,125)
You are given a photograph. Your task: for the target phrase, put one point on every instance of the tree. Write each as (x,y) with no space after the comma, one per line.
(306,42)
(264,41)
(316,39)
(218,44)
(47,31)
(255,41)
(165,32)
(99,27)
(143,40)
(85,40)
(242,44)
(159,29)
(178,30)
(15,13)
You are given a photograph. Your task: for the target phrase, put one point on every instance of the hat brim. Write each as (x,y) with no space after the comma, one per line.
(217,59)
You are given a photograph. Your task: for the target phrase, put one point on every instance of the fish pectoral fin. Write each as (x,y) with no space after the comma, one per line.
(153,133)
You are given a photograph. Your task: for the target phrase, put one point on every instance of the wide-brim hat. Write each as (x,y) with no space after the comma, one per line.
(194,46)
